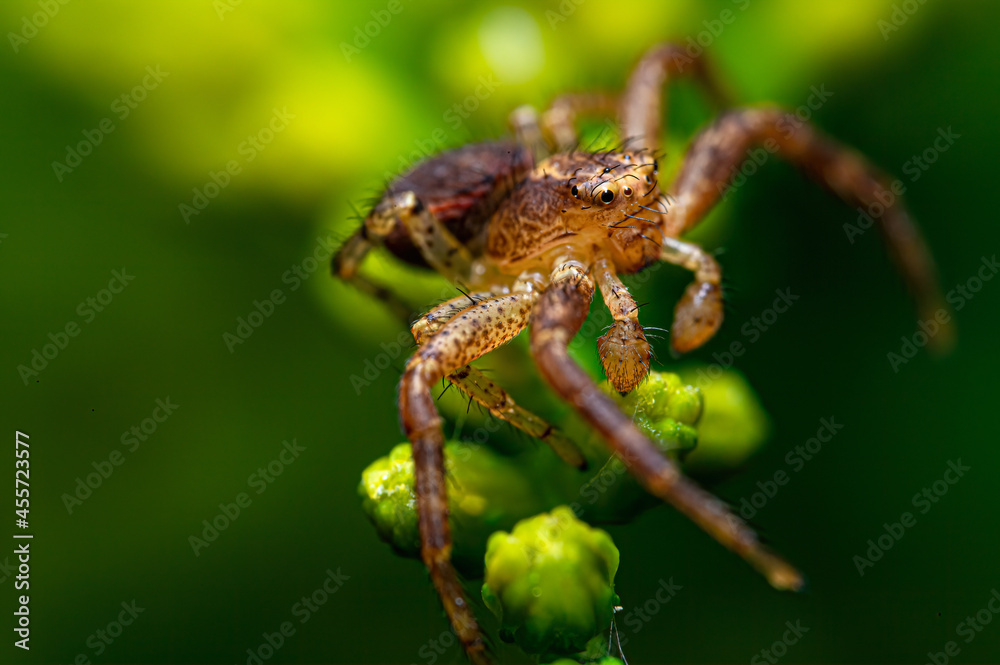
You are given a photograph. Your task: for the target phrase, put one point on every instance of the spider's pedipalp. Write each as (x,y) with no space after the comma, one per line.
(624,351)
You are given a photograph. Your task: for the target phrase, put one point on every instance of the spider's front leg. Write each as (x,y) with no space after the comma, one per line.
(488,394)
(641,113)
(699,313)
(722,148)
(556,319)
(466,336)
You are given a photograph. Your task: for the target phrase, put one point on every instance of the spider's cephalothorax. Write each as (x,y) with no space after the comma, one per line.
(533,227)
(586,199)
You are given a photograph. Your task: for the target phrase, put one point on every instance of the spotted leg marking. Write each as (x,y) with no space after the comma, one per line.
(479,387)
(468,335)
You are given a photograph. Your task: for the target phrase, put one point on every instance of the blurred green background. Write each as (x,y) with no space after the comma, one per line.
(225,68)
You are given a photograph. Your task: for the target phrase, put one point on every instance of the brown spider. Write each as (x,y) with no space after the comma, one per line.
(532,235)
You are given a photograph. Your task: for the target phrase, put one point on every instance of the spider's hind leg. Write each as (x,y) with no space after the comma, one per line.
(396,215)
(346,264)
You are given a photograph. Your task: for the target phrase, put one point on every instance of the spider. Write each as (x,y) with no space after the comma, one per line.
(533,225)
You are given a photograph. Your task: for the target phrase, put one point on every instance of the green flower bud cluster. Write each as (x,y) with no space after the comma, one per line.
(733,425)
(486,491)
(550,578)
(550,581)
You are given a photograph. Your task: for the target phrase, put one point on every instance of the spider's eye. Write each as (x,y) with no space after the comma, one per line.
(606,170)
(627,191)
(575,192)
(656,166)
(605,193)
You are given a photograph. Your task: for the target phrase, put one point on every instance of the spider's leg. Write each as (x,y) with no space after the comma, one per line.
(476,385)
(624,350)
(722,148)
(430,323)
(470,334)
(557,317)
(559,120)
(555,129)
(436,244)
(527,128)
(699,313)
(641,112)
(346,264)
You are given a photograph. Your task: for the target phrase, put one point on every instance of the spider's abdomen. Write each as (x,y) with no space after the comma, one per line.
(462,188)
